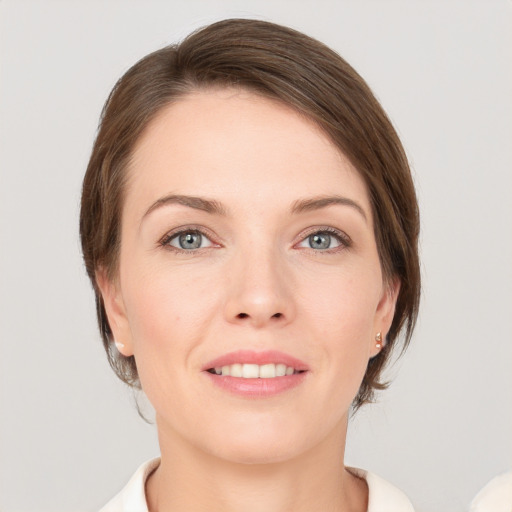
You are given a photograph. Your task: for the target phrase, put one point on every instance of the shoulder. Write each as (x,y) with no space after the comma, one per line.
(383,496)
(495,496)
(133,497)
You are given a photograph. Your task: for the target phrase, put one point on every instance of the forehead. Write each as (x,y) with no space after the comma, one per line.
(235,144)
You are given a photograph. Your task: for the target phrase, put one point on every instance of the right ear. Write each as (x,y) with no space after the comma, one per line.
(116,312)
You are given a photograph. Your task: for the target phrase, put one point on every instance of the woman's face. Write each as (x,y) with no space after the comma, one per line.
(247,243)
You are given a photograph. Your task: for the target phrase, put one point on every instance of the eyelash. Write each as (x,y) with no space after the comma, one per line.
(165,241)
(343,239)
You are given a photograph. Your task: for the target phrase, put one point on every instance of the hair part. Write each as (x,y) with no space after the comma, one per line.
(285,65)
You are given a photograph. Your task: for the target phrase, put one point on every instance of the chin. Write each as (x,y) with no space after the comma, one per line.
(256,453)
(262,445)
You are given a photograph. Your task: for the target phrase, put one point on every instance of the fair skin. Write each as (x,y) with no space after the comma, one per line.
(264,263)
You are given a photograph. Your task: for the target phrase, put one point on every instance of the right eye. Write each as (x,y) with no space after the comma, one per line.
(188,240)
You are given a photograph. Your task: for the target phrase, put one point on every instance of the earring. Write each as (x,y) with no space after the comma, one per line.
(119,345)
(378,339)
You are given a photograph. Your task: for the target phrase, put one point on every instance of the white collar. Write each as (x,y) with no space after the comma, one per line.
(382,497)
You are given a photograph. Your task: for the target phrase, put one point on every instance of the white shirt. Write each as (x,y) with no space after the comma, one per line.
(382,497)
(496,496)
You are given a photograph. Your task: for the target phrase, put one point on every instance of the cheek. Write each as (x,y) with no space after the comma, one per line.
(169,315)
(168,309)
(343,304)
(343,315)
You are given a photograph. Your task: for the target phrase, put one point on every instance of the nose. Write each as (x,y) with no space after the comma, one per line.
(259,291)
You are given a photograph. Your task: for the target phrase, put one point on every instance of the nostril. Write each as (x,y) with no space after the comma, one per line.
(245,315)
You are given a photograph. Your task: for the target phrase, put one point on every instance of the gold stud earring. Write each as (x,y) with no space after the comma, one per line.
(378,339)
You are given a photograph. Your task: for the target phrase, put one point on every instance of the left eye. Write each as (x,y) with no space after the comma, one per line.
(189,240)
(321,240)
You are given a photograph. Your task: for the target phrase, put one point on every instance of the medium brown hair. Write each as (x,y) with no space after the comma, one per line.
(278,63)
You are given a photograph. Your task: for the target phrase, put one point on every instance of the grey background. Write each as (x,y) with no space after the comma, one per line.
(69,434)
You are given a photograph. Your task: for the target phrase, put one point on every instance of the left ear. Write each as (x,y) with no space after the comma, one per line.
(384,314)
(116,312)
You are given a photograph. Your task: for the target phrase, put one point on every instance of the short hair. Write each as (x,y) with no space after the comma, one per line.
(282,64)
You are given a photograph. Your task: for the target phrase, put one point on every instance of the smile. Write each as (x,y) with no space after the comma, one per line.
(254,371)
(254,375)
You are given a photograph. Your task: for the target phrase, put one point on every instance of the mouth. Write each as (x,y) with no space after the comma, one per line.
(256,374)
(255,371)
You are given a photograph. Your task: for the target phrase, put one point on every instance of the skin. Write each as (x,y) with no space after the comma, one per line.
(256,283)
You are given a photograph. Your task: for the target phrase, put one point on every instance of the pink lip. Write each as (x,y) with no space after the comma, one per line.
(259,358)
(256,388)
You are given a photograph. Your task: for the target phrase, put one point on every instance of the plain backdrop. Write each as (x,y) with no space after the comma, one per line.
(70,435)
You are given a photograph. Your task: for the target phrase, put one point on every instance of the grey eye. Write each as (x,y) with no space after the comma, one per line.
(319,241)
(189,240)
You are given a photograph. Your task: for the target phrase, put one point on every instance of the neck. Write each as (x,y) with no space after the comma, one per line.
(190,479)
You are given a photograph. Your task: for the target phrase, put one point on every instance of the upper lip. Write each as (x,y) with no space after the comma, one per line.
(259,358)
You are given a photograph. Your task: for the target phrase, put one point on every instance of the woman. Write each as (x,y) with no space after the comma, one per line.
(250,227)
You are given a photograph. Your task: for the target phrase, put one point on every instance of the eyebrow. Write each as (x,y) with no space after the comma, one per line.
(198,203)
(316,203)
(217,208)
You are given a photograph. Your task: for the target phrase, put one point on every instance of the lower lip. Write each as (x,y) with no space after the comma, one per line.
(257,388)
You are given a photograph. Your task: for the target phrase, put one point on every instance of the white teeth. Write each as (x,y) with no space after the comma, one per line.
(236,370)
(267,371)
(250,371)
(280,370)
(254,371)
